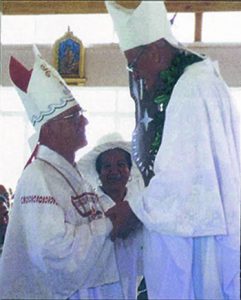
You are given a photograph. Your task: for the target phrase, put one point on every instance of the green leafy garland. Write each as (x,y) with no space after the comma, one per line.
(169,78)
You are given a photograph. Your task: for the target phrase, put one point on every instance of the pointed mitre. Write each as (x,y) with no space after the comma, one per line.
(141,26)
(43,92)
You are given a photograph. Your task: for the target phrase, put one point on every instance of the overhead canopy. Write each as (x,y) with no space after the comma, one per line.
(24,7)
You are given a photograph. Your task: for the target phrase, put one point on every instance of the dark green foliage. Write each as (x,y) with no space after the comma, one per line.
(169,78)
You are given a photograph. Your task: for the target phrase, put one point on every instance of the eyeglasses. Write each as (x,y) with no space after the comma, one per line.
(74,115)
(131,66)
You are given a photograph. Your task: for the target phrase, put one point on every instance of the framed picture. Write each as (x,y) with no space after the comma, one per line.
(69,58)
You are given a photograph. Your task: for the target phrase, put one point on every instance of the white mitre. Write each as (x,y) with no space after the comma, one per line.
(42,90)
(141,26)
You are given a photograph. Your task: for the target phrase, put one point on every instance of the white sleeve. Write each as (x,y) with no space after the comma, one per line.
(66,253)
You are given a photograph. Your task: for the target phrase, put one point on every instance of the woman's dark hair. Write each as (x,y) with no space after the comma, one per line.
(98,162)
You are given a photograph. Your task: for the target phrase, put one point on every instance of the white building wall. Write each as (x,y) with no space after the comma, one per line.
(105,64)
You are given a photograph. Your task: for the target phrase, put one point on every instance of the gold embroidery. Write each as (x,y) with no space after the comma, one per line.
(87,205)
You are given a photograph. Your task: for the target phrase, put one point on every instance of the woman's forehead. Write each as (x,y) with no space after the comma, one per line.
(116,153)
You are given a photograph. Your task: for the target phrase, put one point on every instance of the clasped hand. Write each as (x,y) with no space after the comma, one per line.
(123,219)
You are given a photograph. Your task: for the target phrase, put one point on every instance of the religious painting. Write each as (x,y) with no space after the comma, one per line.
(69,58)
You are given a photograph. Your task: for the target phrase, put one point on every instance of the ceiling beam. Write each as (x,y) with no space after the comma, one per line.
(198,27)
(26,7)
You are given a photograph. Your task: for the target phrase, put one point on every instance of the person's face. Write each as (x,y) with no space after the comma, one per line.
(69,128)
(142,65)
(146,62)
(114,172)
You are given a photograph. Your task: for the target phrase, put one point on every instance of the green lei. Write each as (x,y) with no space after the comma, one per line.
(169,78)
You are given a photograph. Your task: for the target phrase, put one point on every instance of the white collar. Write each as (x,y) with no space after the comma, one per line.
(57,160)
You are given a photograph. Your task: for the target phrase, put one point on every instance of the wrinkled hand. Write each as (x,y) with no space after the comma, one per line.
(123,219)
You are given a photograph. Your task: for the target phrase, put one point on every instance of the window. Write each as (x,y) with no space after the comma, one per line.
(222,27)
(90,28)
(108,110)
(98,28)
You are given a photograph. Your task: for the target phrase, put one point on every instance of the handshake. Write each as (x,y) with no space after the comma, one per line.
(123,219)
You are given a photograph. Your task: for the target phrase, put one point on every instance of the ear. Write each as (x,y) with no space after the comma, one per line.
(46,133)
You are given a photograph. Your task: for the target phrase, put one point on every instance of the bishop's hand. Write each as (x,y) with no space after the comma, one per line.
(123,219)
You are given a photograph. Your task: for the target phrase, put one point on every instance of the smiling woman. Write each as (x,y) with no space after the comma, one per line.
(114,166)
(108,167)
(110,158)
